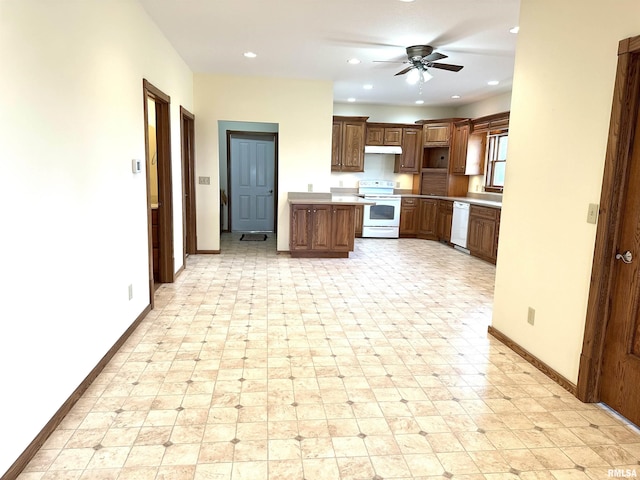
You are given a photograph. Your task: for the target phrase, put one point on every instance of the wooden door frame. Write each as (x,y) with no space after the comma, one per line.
(624,110)
(165,191)
(274,136)
(187,132)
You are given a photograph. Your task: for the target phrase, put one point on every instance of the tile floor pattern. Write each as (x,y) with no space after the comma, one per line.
(257,366)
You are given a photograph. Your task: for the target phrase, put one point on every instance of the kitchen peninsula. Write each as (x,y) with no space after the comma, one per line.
(322,224)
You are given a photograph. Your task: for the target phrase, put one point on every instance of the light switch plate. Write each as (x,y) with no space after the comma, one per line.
(592,215)
(204,180)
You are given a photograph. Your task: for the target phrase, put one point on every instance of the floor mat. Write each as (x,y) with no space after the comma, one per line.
(253,237)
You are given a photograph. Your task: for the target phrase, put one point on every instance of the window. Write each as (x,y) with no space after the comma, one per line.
(496,162)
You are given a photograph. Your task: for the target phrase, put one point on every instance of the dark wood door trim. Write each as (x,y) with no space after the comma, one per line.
(273,135)
(165,190)
(617,159)
(187,125)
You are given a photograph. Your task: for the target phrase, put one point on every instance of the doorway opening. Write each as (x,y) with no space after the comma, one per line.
(159,186)
(187,140)
(610,359)
(251,182)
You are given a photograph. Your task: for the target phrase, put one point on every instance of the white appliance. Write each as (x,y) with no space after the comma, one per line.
(381,220)
(460,224)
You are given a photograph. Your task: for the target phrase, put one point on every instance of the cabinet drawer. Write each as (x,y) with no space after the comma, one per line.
(484,212)
(406,202)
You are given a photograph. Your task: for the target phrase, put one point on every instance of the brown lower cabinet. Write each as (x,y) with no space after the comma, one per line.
(322,230)
(409,217)
(431,219)
(359,211)
(484,224)
(428,219)
(445,217)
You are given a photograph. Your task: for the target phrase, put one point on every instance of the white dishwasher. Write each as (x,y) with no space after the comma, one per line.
(460,224)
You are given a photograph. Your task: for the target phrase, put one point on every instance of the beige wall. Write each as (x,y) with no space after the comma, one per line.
(301,108)
(74,216)
(561,102)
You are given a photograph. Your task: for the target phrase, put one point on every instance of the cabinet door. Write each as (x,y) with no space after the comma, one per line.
(321,227)
(434,182)
(445,217)
(428,218)
(375,135)
(393,136)
(437,134)
(300,227)
(410,159)
(353,146)
(343,228)
(409,217)
(359,215)
(459,144)
(336,146)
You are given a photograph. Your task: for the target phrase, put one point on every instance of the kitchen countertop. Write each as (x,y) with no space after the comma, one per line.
(470,200)
(306,198)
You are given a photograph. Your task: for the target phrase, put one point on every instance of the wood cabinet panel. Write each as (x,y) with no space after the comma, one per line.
(445,217)
(483,232)
(359,218)
(347,149)
(343,228)
(434,182)
(383,135)
(409,217)
(321,230)
(427,225)
(321,227)
(411,157)
(436,134)
(459,141)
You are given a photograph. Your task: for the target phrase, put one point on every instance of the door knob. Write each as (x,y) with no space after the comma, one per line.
(626,257)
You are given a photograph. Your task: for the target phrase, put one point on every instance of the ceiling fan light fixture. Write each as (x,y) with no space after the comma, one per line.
(426,76)
(413,76)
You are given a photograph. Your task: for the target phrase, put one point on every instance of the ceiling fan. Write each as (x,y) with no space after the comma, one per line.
(421,57)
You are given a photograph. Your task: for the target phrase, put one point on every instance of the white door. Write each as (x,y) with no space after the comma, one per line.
(252,201)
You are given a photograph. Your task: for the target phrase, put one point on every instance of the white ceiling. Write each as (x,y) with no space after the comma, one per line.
(313,39)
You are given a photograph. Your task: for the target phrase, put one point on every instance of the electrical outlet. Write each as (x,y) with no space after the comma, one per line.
(204,180)
(130,292)
(531,316)
(310,187)
(592,215)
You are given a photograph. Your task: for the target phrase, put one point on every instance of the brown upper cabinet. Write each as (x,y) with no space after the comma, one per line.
(437,134)
(348,138)
(459,141)
(467,150)
(384,135)
(410,158)
(499,121)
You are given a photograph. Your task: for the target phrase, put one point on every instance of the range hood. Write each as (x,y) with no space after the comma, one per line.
(382,149)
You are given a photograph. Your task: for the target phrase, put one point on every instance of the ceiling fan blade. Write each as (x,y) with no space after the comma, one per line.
(434,57)
(402,72)
(445,66)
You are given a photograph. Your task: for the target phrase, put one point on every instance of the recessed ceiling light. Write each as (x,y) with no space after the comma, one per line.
(367,86)
(250,55)
(407,1)
(515,29)
(455,96)
(419,102)
(353,61)
(351,99)
(493,82)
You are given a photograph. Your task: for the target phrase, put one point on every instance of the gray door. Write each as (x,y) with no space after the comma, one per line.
(252,183)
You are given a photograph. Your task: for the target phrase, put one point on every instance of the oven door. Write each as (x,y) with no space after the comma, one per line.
(385,213)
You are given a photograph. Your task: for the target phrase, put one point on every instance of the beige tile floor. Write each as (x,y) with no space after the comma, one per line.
(258,366)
